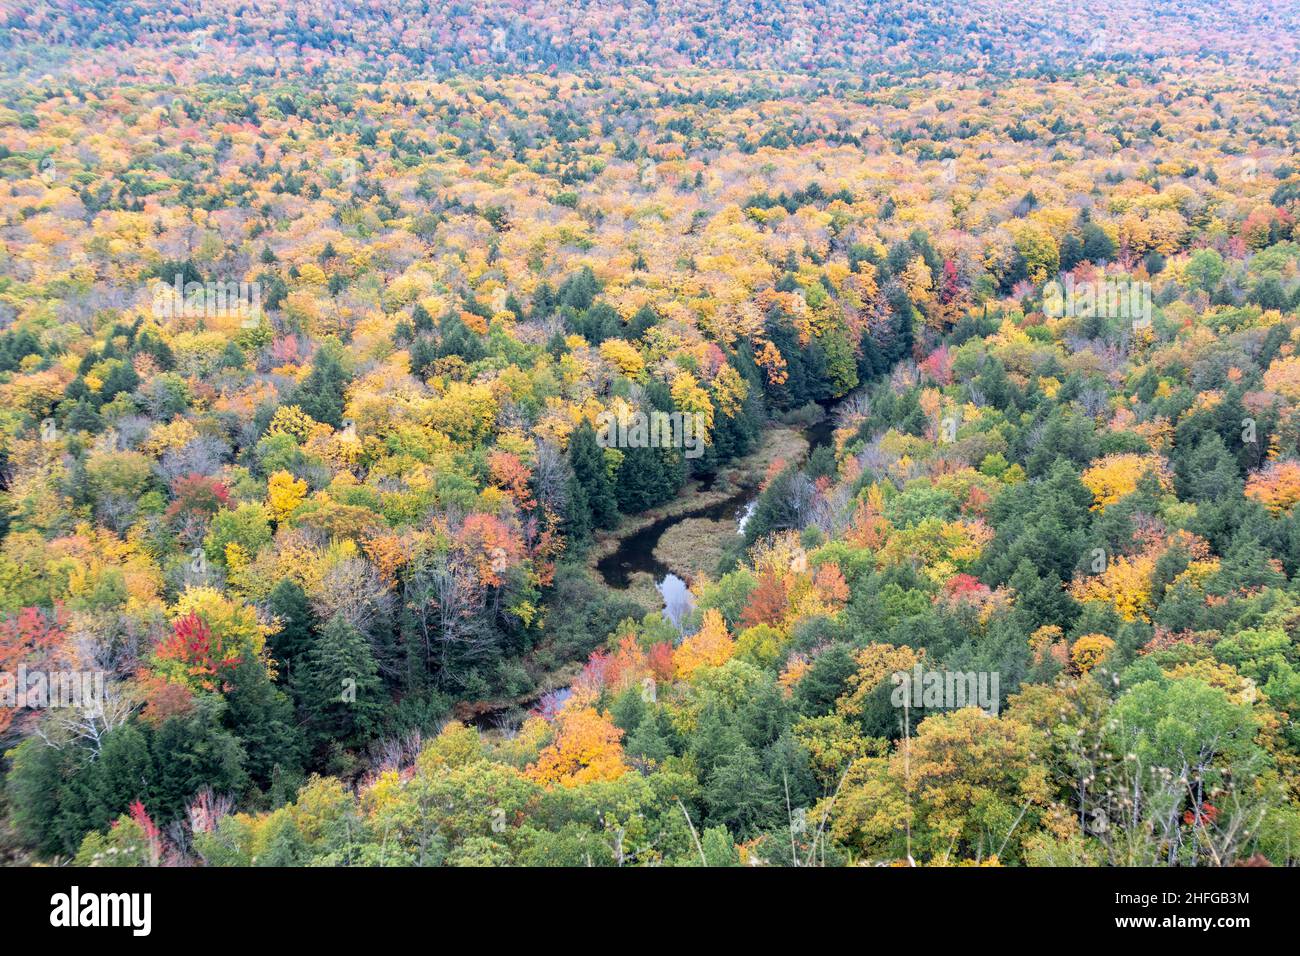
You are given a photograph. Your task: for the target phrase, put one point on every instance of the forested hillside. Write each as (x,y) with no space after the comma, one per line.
(309,320)
(870,38)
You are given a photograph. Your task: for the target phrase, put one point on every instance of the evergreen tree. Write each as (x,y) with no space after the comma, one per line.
(1097,246)
(261,715)
(1072,252)
(579,290)
(577,516)
(739,794)
(344,698)
(642,320)
(321,393)
(646,477)
(190,752)
(587,459)
(119,776)
(421,321)
(904,326)
(825,681)
(288,604)
(1209,472)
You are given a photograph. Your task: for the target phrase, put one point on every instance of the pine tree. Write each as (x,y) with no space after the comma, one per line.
(577,516)
(119,776)
(646,478)
(321,393)
(588,461)
(289,605)
(262,717)
(191,752)
(904,326)
(1097,246)
(739,795)
(344,694)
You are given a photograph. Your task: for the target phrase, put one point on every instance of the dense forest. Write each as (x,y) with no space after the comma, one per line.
(309,318)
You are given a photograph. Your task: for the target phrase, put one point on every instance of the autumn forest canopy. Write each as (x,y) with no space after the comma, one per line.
(984,323)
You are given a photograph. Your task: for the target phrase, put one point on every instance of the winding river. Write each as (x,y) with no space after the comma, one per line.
(636,552)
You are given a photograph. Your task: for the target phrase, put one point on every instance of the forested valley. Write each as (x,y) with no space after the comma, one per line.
(313,323)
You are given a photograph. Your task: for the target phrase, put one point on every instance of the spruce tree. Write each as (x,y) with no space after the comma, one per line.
(588,461)
(262,717)
(321,393)
(344,695)
(289,645)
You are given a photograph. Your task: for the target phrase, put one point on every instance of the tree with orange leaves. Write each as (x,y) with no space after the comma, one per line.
(511,475)
(710,646)
(491,545)
(614,671)
(660,661)
(830,585)
(1276,487)
(389,553)
(869,527)
(767,602)
(772,362)
(586,749)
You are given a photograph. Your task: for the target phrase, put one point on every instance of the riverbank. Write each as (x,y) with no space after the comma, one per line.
(687,535)
(495,716)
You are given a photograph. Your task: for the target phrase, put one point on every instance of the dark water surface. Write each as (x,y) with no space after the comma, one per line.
(636,551)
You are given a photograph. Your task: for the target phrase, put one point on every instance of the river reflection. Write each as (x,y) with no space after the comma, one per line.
(678,600)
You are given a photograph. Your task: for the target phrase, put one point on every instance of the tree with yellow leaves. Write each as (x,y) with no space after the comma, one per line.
(710,646)
(1117,476)
(964,777)
(625,356)
(1125,585)
(586,749)
(689,397)
(729,390)
(876,662)
(1089,650)
(292,420)
(284,493)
